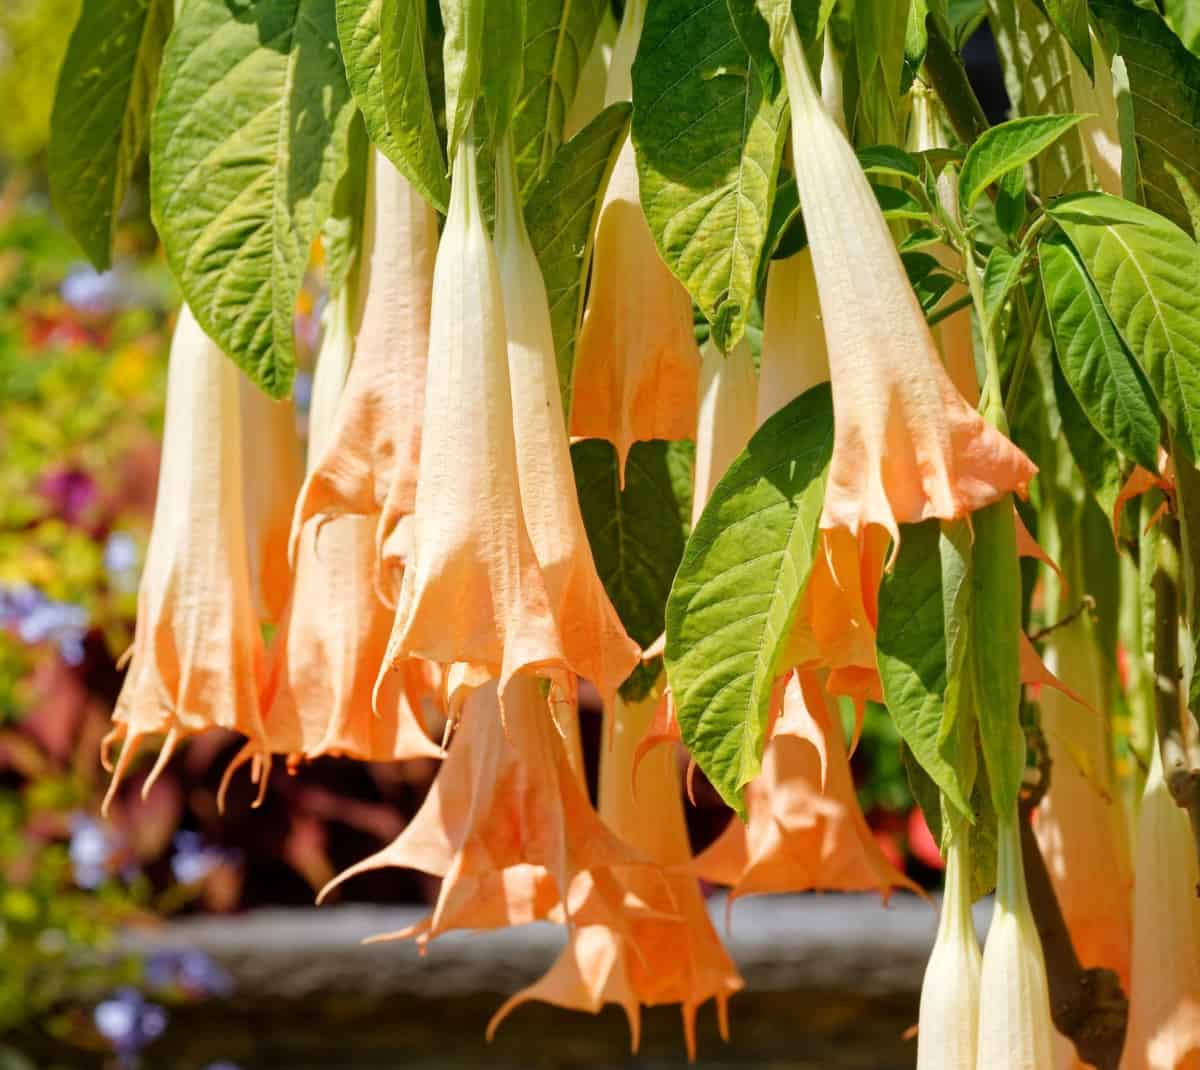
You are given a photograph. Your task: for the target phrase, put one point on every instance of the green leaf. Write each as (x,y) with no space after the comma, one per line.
(897,203)
(1094,362)
(708,144)
(889,160)
(246,147)
(393,96)
(1006,147)
(735,595)
(1000,275)
(1184,17)
(462,61)
(561,217)
(994,649)
(919,603)
(1096,460)
(558,39)
(880,28)
(636,534)
(1164,82)
(1070,18)
(1145,269)
(500,81)
(106,90)
(341,235)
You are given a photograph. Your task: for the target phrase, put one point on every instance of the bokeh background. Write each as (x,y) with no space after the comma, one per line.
(82,372)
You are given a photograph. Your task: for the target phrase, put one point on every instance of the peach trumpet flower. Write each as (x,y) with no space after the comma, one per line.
(507,824)
(1015,1031)
(1164,994)
(794,357)
(907,446)
(368,464)
(805,829)
(272,471)
(726,420)
(472,592)
(947,1037)
(636,361)
(668,954)
(594,641)
(1079,825)
(197,657)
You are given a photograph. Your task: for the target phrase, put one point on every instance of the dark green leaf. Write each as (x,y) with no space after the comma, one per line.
(102,107)
(342,233)
(1070,18)
(732,604)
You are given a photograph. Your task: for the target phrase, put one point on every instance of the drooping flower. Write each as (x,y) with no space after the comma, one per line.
(594,641)
(907,446)
(793,357)
(507,824)
(666,950)
(272,471)
(1164,994)
(368,465)
(1015,1031)
(726,420)
(472,593)
(197,655)
(805,829)
(636,361)
(1079,824)
(949,1022)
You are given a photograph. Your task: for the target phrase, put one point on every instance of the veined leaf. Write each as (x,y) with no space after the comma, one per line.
(1164,83)
(102,107)
(897,203)
(462,60)
(878,55)
(915,598)
(709,141)
(636,534)
(1006,147)
(1070,18)
(503,68)
(561,216)
(384,50)
(1000,275)
(889,160)
(1145,269)
(735,595)
(247,144)
(558,39)
(1184,17)
(341,234)
(1094,362)
(1096,460)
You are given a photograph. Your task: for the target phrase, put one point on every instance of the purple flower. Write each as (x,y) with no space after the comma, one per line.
(121,560)
(69,491)
(56,622)
(16,603)
(99,293)
(193,860)
(190,970)
(128,1021)
(91,849)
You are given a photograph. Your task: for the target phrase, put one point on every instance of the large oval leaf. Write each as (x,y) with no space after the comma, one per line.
(1101,373)
(246,149)
(709,140)
(735,595)
(1145,269)
(561,216)
(101,114)
(1006,147)
(383,42)
(558,39)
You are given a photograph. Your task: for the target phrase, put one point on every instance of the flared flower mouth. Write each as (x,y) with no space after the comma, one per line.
(907,446)
(197,659)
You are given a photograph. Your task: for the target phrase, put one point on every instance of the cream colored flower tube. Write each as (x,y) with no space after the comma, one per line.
(1015,1031)
(728,399)
(947,1037)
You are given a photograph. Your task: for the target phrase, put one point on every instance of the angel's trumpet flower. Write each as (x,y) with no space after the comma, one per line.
(472,593)
(1015,1032)
(805,828)
(793,343)
(593,639)
(728,401)
(197,654)
(272,471)
(907,446)
(636,363)
(949,1020)
(368,465)
(507,824)
(668,954)
(333,639)
(1164,995)
(1079,824)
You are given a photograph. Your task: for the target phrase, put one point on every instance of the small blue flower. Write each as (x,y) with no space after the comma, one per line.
(128,1021)
(17,602)
(91,849)
(193,861)
(191,970)
(59,622)
(96,292)
(121,560)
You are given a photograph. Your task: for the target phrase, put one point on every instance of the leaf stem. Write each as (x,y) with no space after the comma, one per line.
(945,71)
(1021,362)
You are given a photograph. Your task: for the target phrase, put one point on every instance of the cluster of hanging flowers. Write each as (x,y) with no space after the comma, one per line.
(432,593)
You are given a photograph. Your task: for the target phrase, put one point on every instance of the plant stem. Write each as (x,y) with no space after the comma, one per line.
(1021,362)
(946,74)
